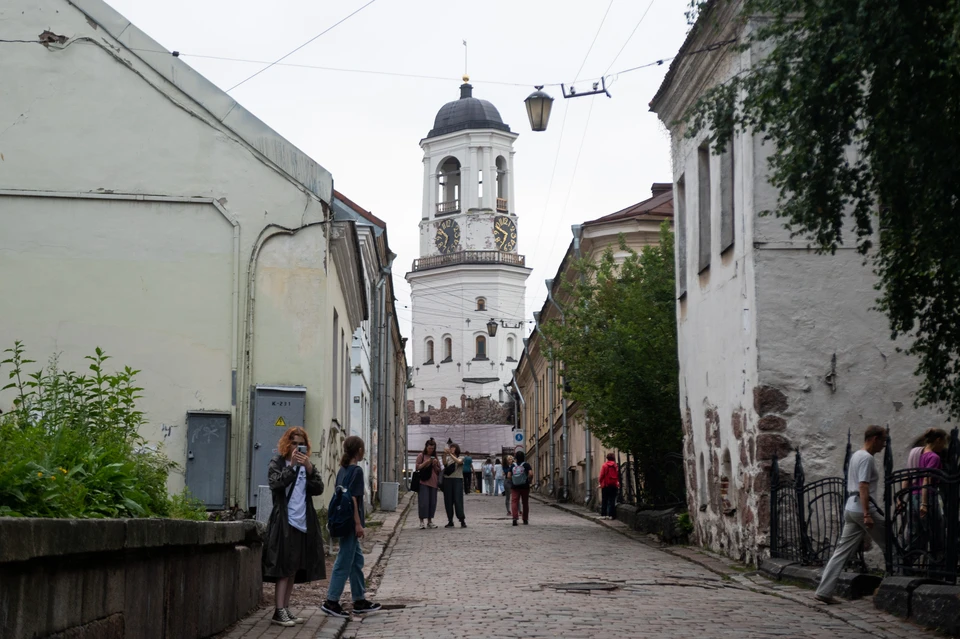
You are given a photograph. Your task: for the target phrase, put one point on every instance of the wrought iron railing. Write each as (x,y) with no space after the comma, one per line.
(806,519)
(665,489)
(468,257)
(923,542)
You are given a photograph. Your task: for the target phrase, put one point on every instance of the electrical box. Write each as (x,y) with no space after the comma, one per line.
(274,410)
(208,449)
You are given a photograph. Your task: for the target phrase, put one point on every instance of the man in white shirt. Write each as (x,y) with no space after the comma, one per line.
(861,516)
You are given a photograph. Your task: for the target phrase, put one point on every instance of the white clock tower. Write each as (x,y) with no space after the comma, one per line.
(469,271)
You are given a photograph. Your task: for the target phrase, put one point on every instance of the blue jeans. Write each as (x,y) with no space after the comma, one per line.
(498,486)
(349,563)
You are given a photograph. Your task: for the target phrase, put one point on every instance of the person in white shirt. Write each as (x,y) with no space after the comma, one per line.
(861,515)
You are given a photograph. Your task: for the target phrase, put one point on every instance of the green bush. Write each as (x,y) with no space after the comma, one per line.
(71,447)
(183,505)
(684,525)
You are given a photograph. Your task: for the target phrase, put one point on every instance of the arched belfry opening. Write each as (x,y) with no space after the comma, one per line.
(502,184)
(448,186)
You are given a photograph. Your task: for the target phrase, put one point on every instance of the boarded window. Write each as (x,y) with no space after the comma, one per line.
(726,199)
(681,208)
(703,206)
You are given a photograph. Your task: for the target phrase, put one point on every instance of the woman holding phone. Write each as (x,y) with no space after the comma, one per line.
(293,552)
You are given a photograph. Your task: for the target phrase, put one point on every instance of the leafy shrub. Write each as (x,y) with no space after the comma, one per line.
(684,525)
(71,446)
(183,505)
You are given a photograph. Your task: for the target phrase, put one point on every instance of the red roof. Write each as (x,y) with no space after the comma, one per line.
(367,215)
(660,206)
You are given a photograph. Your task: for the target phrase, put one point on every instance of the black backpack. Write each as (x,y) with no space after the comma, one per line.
(340,513)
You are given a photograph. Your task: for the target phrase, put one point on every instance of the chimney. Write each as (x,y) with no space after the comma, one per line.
(443,403)
(659,188)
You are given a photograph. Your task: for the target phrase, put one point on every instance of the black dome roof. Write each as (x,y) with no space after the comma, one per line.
(466,113)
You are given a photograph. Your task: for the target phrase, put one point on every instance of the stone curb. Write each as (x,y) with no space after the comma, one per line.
(384,535)
(332,628)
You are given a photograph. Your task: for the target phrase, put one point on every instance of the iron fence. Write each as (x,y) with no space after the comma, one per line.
(806,519)
(663,487)
(923,542)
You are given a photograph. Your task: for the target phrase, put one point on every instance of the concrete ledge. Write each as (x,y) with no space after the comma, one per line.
(662,523)
(854,585)
(937,607)
(894,595)
(773,568)
(22,539)
(807,575)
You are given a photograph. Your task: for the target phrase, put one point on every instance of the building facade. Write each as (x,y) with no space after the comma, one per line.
(182,235)
(779,348)
(566,456)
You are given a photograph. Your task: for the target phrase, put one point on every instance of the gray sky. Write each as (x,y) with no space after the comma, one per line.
(365,128)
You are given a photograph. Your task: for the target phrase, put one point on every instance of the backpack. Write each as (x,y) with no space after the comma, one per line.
(520,478)
(340,512)
(487,470)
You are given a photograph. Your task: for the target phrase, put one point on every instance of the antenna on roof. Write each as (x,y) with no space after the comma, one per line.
(466,77)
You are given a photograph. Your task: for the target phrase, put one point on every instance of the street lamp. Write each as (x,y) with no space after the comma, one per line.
(492,328)
(538,109)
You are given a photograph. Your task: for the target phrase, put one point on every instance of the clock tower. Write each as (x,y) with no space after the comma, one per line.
(469,271)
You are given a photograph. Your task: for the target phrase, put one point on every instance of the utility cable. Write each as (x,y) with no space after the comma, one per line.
(630,37)
(595,36)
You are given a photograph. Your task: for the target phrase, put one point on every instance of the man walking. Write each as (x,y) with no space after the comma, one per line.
(861,516)
(467,472)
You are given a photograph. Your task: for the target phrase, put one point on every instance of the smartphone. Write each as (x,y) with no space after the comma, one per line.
(302,449)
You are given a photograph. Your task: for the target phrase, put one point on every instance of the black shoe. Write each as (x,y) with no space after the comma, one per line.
(463,524)
(363,607)
(450,525)
(334,609)
(514,522)
(293,617)
(525,522)
(281,618)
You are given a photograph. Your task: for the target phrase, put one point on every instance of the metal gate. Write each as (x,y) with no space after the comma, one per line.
(208,446)
(275,408)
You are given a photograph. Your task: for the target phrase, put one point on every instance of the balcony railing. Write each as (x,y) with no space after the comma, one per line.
(468,257)
(502,204)
(448,207)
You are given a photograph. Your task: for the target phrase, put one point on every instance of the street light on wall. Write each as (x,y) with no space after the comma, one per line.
(492,326)
(538,109)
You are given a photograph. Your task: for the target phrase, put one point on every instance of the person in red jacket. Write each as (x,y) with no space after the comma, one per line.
(609,486)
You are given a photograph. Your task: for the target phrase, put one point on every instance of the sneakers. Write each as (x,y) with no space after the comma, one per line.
(293,618)
(463,524)
(334,609)
(432,525)
(514,522)
(282,618)
(526,523)
(450,525)
(363,607)
(422,526)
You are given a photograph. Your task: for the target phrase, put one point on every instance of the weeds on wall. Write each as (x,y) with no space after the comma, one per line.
(71,447)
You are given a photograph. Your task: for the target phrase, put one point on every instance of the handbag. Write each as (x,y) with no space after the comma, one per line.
(415,481)
(449,468)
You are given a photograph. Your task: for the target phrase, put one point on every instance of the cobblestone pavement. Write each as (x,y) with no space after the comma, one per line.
(493,579)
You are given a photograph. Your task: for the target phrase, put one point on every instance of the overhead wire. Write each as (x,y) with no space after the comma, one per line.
(594,41)
(629,38)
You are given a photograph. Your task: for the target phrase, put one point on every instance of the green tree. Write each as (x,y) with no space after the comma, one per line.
(881,79)
(618,346)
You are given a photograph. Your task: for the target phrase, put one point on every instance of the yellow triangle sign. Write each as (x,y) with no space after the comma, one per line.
(280,422)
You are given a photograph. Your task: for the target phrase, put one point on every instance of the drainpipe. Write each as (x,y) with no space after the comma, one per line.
(588,470)
(387,388)
(553,457)
(565,494)
(406,422)
(376,374)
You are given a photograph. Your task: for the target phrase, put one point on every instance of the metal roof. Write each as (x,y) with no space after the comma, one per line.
(466,113)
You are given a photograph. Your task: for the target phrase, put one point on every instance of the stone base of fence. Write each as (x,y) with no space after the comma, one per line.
(139,578)
(929,604)
(662,523)
(851,585)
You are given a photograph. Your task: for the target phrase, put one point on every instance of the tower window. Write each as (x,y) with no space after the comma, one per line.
(423,406)
(481,304)
(448,187)
(510,349)
(447,349)
(501,184)
(481,347)
(480,184)
(429,349)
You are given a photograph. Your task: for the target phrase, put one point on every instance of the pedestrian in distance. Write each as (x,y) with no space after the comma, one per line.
(926,516)
(487,471)
(861,515)
(349,563)
(609,487)
(453,485)
(507,463)
(293,552)
(519,478)
(429,467)
(467,472)
(498,476)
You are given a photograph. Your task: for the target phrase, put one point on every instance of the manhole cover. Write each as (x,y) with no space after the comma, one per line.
(582,587)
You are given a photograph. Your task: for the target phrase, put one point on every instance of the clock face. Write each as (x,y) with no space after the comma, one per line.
(448,236)
(505,233)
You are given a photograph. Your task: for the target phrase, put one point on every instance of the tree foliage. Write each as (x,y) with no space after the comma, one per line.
(618,346)
(861,100)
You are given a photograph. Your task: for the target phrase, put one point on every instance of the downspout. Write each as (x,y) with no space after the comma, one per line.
(553,457)
(565,490)
(376,373)
(406,422)
(387,383)
(588,447)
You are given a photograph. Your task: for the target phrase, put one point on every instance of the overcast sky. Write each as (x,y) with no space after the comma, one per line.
(365,128)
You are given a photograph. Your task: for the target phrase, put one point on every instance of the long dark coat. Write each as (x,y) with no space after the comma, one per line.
(279,477)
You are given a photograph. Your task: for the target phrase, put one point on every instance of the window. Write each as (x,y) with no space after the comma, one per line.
(480,184)
(423,406)
(429,352)
(703,206)
(501,177)
(448,186)
(447,349)
(481,304)
(481,347)
(681,208)
(726,199)
(511,357)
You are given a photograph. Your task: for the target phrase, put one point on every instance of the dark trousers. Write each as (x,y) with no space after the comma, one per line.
(427,502)
(608,504)
(467,478)
(453,497)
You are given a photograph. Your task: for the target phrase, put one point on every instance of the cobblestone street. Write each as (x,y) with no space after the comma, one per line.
(495,580)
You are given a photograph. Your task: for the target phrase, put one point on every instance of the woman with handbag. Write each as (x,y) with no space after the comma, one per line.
(428,472)
(453,484)
(293,550)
